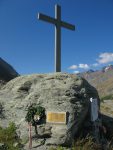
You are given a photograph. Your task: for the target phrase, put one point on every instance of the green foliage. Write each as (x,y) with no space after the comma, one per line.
(40,111)
(24,140)
(33,110)
(52,148)
(8,137)
(58,148)
(107,97)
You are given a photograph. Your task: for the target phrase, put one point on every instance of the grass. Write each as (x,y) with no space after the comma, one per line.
(58,148)
(107,97)
(9,138)
(85,144)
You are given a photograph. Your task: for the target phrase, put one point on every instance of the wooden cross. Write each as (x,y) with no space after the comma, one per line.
(58,24)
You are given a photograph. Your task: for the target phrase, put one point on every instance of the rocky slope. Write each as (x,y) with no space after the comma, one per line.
(102,80)
(58,92)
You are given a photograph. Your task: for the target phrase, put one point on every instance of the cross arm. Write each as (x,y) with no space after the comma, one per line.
(46,18)
(67,25)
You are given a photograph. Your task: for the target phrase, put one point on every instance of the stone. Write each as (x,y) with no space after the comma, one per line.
(3,146)
(57,92)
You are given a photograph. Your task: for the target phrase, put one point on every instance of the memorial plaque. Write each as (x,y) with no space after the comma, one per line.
(56,117)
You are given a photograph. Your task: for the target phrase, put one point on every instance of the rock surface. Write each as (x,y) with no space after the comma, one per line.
(7,72)
(58,92)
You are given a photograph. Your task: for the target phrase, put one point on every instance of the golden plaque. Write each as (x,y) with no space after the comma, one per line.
(56,117)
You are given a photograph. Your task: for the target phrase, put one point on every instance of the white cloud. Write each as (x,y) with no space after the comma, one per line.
(95,65)
(73,67)
(105,58)
(84,66)
(81,66)
(76,72)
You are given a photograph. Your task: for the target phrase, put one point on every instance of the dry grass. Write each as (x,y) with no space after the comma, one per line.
(83,144)
(107,109)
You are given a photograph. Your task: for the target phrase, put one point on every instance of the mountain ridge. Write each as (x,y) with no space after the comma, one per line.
(101,79)
(7,72)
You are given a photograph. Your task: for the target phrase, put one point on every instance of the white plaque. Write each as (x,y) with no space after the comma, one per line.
(94,109)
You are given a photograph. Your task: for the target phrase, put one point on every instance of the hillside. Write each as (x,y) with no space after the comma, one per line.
(7,72)
(102,80)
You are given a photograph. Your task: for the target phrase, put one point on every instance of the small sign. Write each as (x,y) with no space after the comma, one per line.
(94,109)
(56,117)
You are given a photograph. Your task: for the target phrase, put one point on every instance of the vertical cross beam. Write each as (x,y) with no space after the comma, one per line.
(58,39)
(58,24)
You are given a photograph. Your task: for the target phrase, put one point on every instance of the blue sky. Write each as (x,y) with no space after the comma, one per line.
(28,44)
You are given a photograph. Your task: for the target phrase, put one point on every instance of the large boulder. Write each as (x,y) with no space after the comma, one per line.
(7,72)
(58,92)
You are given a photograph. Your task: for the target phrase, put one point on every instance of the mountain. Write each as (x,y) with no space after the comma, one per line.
(7,72)
(102,80)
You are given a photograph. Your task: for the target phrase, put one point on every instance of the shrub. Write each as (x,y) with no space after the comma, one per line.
(8,137)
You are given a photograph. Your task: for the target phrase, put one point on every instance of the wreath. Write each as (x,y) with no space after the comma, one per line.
(32,111)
